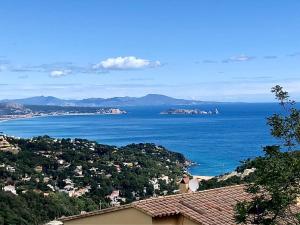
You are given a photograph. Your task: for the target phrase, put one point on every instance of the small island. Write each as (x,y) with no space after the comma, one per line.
(9,111)
(189,112)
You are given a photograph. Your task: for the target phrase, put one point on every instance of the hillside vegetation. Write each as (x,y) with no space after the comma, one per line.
(48,178)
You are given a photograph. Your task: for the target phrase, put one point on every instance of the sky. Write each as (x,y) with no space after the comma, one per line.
(211,50)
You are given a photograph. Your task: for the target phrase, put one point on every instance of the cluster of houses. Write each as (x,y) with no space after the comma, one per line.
(70,187)
(72,190)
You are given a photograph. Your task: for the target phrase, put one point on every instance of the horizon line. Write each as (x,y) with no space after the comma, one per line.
(196,100)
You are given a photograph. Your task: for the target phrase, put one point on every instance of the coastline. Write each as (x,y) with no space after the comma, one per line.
(64,114)
(188,164)
(143,125)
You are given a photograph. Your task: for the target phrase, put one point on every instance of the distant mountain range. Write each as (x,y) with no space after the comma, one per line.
(148,100)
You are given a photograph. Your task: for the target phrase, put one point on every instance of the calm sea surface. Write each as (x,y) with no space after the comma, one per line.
(216,142)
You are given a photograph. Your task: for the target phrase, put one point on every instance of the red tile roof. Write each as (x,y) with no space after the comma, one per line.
(210,207)
(215,206)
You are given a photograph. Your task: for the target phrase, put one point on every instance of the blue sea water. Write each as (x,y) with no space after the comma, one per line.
(216,142)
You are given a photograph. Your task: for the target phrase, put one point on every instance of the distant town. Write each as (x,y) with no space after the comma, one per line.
(9,111)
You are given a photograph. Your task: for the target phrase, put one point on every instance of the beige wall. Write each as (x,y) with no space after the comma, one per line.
(170,220)
(124,216)
(173,220)
(129,216)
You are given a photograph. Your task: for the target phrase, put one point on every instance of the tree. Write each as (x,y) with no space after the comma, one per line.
(275,186)
(285,127)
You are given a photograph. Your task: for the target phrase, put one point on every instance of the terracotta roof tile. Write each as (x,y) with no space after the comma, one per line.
(215,206)
(210,207)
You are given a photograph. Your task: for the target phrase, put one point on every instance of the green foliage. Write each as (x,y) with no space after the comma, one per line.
(59,158)
(275,184)
(275,187)
(285,127)
(33,208)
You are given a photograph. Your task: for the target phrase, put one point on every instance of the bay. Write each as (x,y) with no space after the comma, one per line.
(217,143)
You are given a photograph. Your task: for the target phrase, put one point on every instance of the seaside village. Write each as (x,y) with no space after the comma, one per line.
(185,206)
(70,187)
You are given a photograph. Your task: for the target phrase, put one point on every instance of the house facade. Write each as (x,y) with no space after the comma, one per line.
(126,216)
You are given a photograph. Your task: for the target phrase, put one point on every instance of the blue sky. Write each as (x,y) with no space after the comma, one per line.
(224,50)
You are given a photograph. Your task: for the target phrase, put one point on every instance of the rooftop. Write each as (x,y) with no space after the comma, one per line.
(214,206)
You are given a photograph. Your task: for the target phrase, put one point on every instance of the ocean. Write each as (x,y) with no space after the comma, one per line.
(217,143)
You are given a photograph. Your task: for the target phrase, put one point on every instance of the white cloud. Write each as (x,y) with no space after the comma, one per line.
(209,61)
(59,73)
(126,63)
(239,58)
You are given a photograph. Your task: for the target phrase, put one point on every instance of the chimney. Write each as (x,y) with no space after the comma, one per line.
(184,184)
